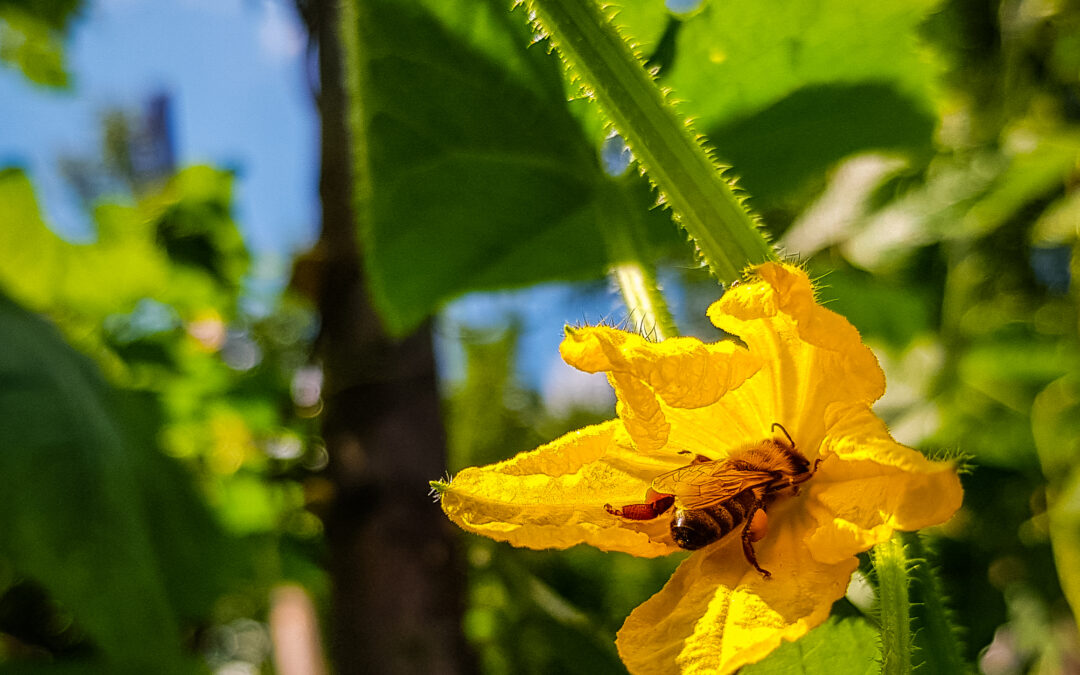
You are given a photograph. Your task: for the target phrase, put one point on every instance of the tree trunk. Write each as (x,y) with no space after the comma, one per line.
(397,578)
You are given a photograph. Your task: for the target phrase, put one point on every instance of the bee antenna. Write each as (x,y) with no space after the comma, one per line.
(776,425)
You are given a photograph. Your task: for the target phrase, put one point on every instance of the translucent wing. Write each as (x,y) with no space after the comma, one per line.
(697,486)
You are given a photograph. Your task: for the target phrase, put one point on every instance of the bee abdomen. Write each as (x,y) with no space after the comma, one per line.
(694,528)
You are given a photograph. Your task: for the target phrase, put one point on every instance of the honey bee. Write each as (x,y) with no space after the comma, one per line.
(713,497)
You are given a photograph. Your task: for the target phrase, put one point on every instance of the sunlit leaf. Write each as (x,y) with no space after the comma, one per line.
(784,89)
(178,245)
(45,272)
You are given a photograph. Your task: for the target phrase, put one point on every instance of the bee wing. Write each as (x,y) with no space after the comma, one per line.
(697,486)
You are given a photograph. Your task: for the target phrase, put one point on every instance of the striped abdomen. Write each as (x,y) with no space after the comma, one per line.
(693,528)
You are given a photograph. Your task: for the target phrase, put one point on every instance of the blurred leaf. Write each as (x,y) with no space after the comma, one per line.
(840,646)
(476,176)
(1034,173)
(193,223)
(88,668)
(179,245)
(1055,421)
(1012,372)
(28,42)
(1060,222)
(45,272)
(90,512)
(198,561)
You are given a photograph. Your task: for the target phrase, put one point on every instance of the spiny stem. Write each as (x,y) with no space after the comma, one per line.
(938,640)
(631,263)
(644,299)
(891,567)
(672,156)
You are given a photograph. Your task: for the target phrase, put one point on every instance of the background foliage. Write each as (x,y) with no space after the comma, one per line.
(160,462)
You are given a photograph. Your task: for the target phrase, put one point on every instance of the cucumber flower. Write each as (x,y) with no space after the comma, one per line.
(681,401)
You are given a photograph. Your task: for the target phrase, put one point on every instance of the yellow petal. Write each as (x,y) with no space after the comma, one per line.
(554,496)
(717,614)
(651,377)
(815,356)
(870,485)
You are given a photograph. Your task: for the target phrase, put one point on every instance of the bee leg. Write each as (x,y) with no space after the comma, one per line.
(698,459)
(657,503)
(754,529)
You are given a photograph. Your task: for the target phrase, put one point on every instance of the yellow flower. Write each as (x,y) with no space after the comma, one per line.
(799,365)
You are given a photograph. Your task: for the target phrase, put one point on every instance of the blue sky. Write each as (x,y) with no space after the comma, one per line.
(235,72)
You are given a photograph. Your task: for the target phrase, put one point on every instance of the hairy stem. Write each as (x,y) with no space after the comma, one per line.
(937,639)
(891,567)
(673,157)
(631,266)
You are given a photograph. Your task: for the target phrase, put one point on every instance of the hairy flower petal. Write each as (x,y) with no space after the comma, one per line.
(877,486)
(554,496)
(815,356)
(652,377)
(717,613)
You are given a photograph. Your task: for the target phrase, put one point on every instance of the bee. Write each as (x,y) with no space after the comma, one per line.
(713,497)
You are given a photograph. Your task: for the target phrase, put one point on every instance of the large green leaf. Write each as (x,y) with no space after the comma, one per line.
(90,511)
(473,171)
(784,89)
(738,57)
(840,646)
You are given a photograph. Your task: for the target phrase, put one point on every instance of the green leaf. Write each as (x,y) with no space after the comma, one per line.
(1055,421)
(200,262)
(778,147)
(473,172)
(91,512)
(863,298)
(643,22)
(29,43)
(840,646)
(784,89)
(1058,223)
(735,58)
(1040,169)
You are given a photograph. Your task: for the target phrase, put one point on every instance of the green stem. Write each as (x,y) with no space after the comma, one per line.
(937,640)
(629,253)
(648,310)
(672,156)
(891,565)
